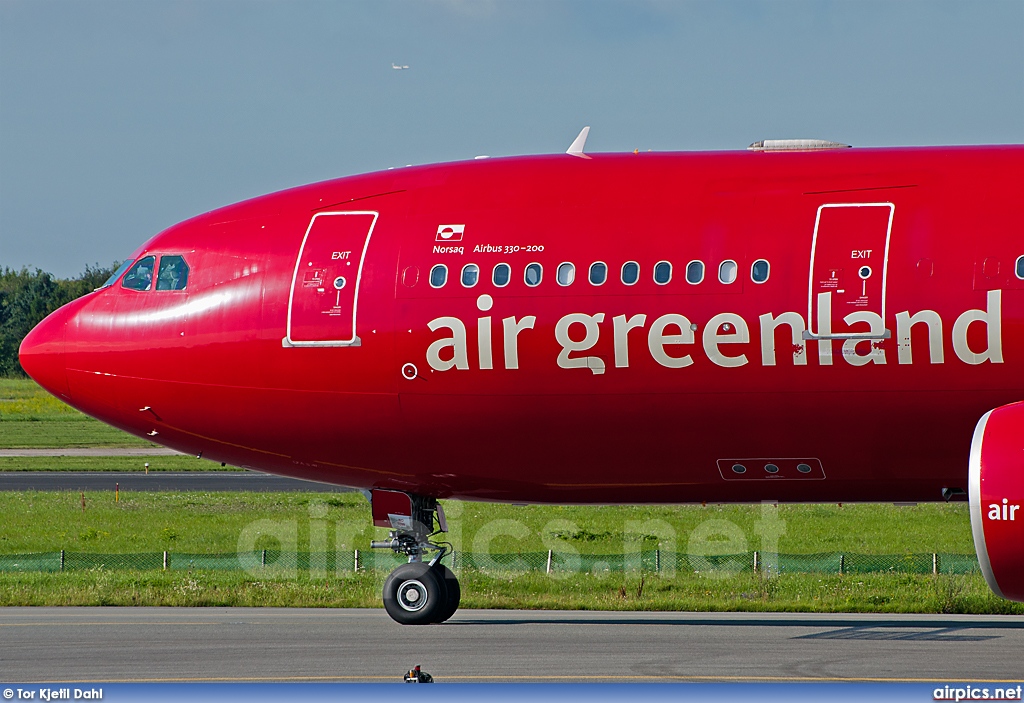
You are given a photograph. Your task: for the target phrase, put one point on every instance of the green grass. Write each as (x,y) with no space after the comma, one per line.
(109,463)
(84,432)
(41,521)
(32,418)
(158,588)
(742,592)
(228,522)
(865,528)
(887,593)
(213,522)
(21,389)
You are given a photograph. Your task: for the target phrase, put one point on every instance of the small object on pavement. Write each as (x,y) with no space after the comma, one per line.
(417,676)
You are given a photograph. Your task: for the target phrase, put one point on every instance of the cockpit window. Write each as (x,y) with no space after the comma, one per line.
(173,273)
(140,276)
(117,274)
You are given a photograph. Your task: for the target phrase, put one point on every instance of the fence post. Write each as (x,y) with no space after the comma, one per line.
(842,563)
(355,561)
(935,563)
(549,562)
(62,560)
(657,560)
(755,562)
(453,560)
(263,558)
(165,561)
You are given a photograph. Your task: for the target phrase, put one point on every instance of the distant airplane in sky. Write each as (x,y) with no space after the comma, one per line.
(398,68)
(795,322)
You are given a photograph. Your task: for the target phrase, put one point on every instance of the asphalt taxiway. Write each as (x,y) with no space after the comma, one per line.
(272,644)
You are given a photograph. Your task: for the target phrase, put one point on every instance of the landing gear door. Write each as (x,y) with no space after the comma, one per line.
(324,297)
(849,262)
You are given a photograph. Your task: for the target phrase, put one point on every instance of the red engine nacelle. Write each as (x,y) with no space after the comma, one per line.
(997,496)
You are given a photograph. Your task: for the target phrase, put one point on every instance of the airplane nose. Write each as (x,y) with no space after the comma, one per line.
(42,353)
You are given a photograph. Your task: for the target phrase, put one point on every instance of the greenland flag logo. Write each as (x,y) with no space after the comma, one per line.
(449,233)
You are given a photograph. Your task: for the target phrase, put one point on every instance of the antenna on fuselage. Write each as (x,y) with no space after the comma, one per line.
(576,148)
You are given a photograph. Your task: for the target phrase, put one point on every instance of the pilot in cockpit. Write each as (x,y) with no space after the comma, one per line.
(173,273)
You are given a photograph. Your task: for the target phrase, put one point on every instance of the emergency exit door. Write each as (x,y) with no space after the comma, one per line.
(324,297)
(849,262)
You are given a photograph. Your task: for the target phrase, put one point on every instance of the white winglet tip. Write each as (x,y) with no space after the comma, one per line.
(576,149)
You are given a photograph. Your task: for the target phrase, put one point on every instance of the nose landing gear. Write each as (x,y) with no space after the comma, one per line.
(417,593)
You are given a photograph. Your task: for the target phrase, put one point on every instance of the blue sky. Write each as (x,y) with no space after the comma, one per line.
(118,119)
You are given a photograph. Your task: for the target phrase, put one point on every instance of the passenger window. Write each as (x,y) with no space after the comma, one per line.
(1020,267)
(470,275)
(566,274)
(727,271)
(501,275)
(759,271)
(173,273)
(630,272)
(117,274)
(662,272)
(598,273)
(140,276)
(438,276)
(533,274)
(695,272)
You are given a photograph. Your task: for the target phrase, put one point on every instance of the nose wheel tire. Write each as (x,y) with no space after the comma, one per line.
(454,592)
(416,594)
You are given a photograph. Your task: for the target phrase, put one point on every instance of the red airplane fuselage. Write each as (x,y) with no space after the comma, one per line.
(816,326)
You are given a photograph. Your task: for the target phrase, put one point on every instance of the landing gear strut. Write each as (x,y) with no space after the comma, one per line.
(420,592)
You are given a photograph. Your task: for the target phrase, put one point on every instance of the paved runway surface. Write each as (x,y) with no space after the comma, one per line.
(269,644)
(156,481)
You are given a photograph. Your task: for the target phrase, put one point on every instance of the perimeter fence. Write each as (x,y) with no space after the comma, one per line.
(653,561)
